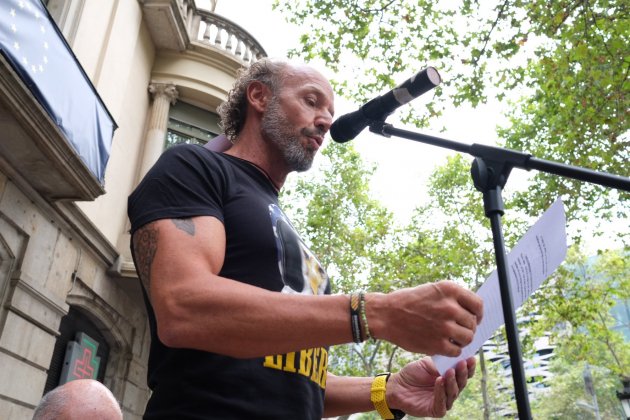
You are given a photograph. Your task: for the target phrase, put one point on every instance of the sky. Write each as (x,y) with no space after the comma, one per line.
(403,166)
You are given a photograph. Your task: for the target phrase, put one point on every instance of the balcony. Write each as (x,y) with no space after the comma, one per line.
(34,152)
(175,24)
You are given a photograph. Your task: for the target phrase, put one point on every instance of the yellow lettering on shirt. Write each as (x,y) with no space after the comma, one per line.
(315,371)
(306,362)
(322,372)
(289,363)
(311,363)
(273,362)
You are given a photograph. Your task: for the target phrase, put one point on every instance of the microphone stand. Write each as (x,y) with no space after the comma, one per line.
(490,171)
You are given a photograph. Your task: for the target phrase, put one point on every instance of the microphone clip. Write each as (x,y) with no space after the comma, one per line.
(379,127)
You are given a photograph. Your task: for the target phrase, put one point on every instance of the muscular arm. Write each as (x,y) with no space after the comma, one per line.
(178,263)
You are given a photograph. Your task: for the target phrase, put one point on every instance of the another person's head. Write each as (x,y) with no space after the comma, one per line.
(294,106)
(77,400)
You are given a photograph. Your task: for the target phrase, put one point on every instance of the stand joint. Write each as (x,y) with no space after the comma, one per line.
(489,178)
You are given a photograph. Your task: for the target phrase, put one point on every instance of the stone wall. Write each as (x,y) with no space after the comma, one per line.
(45,268)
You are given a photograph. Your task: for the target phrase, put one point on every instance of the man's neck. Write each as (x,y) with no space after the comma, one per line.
(258,152)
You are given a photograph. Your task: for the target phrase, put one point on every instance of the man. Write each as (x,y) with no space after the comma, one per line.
(240,310)
(79,400)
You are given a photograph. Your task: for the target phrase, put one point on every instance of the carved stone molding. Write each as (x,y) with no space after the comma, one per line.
(167,91)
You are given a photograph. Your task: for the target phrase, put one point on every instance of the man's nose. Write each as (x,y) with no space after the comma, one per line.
(324,121)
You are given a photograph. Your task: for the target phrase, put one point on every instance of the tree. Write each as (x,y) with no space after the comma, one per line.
(568,60)
(577,310)
(344,226)
(566,396)
(577,111)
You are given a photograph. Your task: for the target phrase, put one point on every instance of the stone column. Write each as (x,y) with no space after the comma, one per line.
(164,94)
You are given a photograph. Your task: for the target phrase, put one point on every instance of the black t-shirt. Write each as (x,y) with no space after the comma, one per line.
(262,249)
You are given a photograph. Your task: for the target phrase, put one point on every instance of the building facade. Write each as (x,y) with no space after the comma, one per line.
(70,302)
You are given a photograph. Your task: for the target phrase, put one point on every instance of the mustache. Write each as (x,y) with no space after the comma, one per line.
(310,132)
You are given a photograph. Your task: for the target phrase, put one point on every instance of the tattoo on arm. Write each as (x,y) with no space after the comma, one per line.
(187,225)
(145,247)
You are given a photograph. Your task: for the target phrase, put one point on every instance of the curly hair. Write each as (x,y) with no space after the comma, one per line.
(233,111)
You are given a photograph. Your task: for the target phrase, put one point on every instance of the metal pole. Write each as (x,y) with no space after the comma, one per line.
(511,329)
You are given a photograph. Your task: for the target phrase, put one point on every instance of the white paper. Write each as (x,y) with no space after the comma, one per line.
(533,259)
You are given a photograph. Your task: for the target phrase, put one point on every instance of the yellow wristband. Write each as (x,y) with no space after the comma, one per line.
(377,395)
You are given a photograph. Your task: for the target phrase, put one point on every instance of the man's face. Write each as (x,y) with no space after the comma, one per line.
(278,129)
(298,116)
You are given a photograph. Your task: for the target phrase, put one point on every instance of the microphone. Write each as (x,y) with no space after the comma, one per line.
(349,126)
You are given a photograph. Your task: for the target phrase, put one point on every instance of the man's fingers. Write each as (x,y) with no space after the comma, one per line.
(459,335)
(452,390)
(439,398)
(468,321)
(461,374)
(472,303)
(471,363)
(451,348)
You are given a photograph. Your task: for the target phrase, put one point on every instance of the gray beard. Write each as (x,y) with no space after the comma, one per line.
(277,129)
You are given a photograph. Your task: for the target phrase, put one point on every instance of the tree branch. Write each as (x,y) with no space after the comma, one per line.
(607,341)
(381,10)
(391,359)
(362,358)
(487,37)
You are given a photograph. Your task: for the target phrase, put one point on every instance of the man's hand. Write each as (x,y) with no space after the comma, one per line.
(419,390)
(436,318)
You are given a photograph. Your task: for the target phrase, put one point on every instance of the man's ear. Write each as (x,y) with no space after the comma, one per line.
(258,95)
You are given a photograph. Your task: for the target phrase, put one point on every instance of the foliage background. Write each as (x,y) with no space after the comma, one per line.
(560,70)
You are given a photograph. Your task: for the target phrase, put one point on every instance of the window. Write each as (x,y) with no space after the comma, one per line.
(66,14)
(190,124)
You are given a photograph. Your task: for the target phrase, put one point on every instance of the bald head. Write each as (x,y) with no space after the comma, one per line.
(79,399)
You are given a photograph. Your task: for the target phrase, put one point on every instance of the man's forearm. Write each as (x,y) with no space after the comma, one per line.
(243,321)
(347,395)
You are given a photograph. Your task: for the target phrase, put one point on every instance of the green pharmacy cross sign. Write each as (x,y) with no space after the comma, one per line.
(80,361)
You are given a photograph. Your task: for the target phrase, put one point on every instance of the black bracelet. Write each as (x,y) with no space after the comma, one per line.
(355,318)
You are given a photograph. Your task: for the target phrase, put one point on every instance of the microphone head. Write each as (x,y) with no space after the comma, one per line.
(348,126)
(433,76)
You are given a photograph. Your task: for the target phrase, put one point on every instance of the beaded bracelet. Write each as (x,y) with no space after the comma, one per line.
(355,321)
(364,315)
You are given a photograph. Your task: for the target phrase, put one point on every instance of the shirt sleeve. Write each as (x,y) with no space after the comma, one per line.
(186,181)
